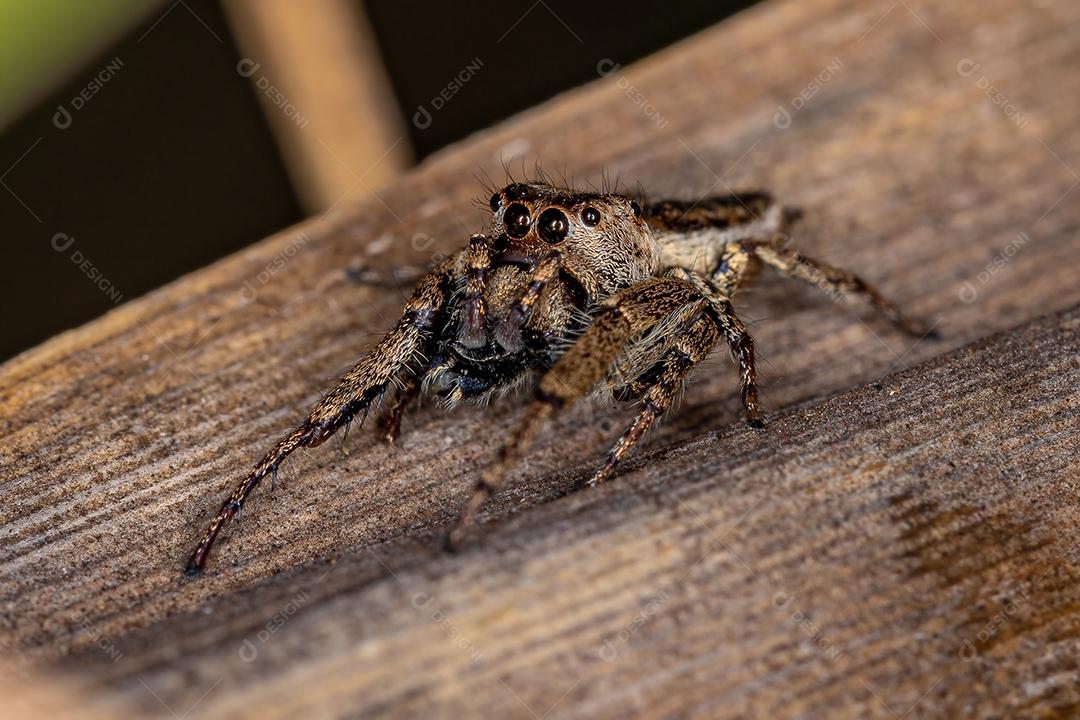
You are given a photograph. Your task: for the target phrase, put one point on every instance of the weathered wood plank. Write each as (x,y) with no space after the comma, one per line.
(913,543)
(118,439)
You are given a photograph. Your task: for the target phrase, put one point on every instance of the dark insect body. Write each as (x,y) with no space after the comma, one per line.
(590,292)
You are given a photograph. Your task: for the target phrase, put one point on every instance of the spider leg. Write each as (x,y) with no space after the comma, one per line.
(473,330)
(621,317)
(835,281)
(715,211)
(662,387)
(351,396)
(738,337)
(390,421)
(738,265)
(742,350)
(508,331)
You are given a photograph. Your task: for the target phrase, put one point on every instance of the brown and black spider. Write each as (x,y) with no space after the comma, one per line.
(587,290)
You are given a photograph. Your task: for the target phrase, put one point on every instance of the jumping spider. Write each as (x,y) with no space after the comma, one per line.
(587,290)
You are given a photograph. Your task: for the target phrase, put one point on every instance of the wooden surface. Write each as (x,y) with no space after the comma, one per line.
(901,542)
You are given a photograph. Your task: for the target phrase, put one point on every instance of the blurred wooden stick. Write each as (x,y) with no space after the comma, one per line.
(319,77)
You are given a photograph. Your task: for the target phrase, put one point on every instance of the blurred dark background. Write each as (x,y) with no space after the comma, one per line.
(155,156)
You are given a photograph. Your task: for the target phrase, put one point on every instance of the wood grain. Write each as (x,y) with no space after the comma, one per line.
(834,565)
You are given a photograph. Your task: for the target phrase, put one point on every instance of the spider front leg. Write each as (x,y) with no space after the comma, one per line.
(621,317)
(390,421)
(836,282)
(473,330)
(352,395)
(508,331)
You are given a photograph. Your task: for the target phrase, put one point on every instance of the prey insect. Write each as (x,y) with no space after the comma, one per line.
(576,293)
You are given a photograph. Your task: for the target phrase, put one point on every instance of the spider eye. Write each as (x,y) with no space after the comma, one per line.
(495,202)
(635,208)
(517,220)
(553,226)
(590,216)
(517,191)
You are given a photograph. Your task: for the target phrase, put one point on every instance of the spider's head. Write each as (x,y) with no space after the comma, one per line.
(602,237)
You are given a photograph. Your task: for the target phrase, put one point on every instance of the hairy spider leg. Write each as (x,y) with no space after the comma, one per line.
(389,423)
(472,331)
(835,281)
(714,211)
(508,331)
(352,395)
(738,337)
(658,387)
(621,317)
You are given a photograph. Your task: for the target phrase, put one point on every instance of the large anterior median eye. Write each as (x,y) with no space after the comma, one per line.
(517,220)
(553,226)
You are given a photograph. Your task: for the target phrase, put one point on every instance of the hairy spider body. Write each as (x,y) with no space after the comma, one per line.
(590,292)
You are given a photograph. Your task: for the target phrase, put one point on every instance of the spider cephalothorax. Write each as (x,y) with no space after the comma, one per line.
(526,286)
(578,293)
